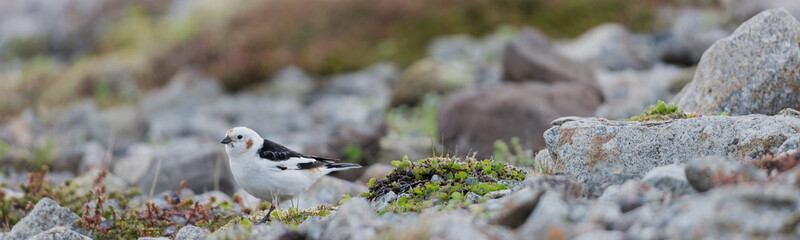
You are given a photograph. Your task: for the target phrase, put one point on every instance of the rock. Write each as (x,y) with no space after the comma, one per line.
(530,57)
(436,178)
(627,92)
(451,225)
(327,190)
(670,178)
(354,220)
(630,195)
(691,33)
(548,218)
(473,197)
(474,120)
(383,201)
(59,233)
(201,163)
(557,183)
(610,46)
(119,126)
(377,171)
(610,152)
(169,108)
(497,194)
(134,165)
(45,215)
(94,157)
(191,232)
(713,171)
(755,70)
(86,182)
(481,56)
(217,195)
(516,208)
(428,76)
(743,211)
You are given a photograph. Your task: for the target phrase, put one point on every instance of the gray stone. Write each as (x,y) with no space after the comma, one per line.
(598,152)
(383,201)
(134,165)
(610,46)
(548,216)
(601,235)
(450,225)
(516,208)
(755,70)
(436,178)
(713,171)
(59,233)
(45,215)
(354,220)
(530,57)
(201,163)
(557,183)
(474,120)
(498,193)
(744,9)
(291,81)
(191,232)
(743,211)
(86,182)
(670,178)
(473,197)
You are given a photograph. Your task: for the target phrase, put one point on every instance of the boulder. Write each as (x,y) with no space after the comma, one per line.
(45,215)
(713,171)
(472,121)
(755,70)
(327,190)
(671,178)
(610,152)
(691,33)
(530,57)
(627,92)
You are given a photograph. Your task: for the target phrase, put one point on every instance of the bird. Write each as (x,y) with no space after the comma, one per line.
(272,172)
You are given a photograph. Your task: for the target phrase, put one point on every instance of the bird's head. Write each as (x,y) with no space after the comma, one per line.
(241,140)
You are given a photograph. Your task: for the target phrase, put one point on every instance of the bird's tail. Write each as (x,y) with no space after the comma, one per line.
(341,166)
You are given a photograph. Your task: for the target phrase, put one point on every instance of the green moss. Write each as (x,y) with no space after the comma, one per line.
(291,216)
(458,179)
(662,111)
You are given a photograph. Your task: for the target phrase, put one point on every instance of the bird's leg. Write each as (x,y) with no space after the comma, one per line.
(266,218)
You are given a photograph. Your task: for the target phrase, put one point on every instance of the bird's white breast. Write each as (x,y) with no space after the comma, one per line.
(262,178)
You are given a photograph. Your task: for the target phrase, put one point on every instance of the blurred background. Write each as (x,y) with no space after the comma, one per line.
(149,87)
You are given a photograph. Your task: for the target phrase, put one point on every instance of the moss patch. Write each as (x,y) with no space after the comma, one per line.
(662,111)
(412,180)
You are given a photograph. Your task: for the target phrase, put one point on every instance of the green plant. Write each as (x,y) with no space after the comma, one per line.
(412,180)
(662,111)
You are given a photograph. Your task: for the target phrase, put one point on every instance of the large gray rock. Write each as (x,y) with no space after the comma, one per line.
(713,171)
(472,121)
(59,233)
(530,57)
(755,70)
(45,215)
(610,152)
(354,220)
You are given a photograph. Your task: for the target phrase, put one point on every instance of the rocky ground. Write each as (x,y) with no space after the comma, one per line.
(720,163)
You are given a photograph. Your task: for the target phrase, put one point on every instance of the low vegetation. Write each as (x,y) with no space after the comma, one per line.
(441,182)
(662,111)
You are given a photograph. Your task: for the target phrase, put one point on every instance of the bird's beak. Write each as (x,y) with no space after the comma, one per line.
(226,140)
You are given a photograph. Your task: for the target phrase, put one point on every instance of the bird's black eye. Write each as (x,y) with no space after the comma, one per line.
(239,137)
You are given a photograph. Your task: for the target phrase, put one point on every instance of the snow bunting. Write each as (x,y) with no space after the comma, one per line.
(273,172)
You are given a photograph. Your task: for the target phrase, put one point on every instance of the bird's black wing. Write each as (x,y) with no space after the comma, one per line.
(276,152)
(293,160)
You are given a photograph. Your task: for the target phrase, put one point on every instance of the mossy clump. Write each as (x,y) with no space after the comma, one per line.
(662,111)
(418,187)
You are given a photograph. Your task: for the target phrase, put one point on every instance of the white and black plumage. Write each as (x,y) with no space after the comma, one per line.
(273,172)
